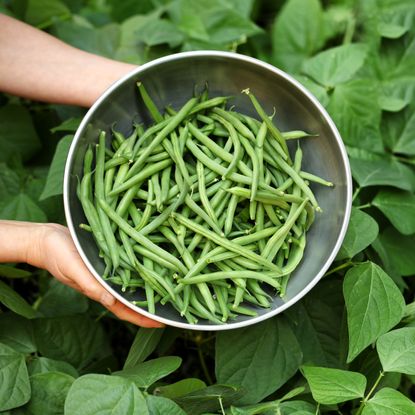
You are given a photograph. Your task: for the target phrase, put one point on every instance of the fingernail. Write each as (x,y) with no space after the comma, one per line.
(107,300)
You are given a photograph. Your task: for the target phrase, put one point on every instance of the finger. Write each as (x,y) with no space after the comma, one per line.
(126,314)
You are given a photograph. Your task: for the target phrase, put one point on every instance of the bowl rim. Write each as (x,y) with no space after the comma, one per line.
(236,57)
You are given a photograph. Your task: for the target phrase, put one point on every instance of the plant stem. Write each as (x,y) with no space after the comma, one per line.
(340,267)
(318,409)
(350,28)
(204,366)
(356,193)
(367,397)
(367,205)
(221,405)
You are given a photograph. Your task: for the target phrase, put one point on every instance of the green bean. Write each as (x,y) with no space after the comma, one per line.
(148,209)
(161,135)
(141,239)
(239,126)
(291,135)
(233,203)
(221,275)
(313,178)
(148,102)
(271,127)
(147,171)
(157,191)
(219,240)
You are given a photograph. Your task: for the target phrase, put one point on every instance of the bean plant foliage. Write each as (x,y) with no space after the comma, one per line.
(348,347)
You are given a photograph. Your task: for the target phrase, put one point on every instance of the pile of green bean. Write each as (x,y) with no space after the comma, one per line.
(204,210)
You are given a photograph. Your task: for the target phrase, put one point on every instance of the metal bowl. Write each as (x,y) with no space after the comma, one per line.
(171,80)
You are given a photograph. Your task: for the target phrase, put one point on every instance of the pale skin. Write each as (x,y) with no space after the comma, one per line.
(38,66)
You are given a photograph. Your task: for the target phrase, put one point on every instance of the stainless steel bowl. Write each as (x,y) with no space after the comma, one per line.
(171,80)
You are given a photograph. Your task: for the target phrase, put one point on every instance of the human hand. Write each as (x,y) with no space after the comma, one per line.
(53,249)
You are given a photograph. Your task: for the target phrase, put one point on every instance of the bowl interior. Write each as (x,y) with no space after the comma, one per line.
(172,81)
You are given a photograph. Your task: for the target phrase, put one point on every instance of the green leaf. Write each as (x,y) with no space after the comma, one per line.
(49,392)
(315,321)
(355,110)
(391,104)
(17,333)
(374,305)
(245,357)
(207,399)
(382,172)
(330,386)
(391,30)
(145,342)
(104,40)
(400,251)
(297,33)
(14,380)
(388,401)
(157,405)
(17,133)
(362,231)
(161,31)
(42,13)
(146,373)
(15,302)
(9,183)
(76,339)
(71,125)
(180,388)
(396,350)
(61,300)
(399,208)
(8,271)
(105,395)
(336,65)
(398,129)
(54,181)
(297,408)
(45,365)
(23,208)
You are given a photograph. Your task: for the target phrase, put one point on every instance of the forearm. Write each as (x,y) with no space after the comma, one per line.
(38,66)
(19,240)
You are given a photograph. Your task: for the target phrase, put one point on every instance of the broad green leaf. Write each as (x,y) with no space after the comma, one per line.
(315,321)
(76,339)
(12,300)
(49,392)
(17,333)
(259,358)
(157,405)
(23,208)
(355,110)
(396,350)
(399,208)
(180,388)
(9,183)
(145,342)
(105,395)
(8,271)
(374,305)
(207,399)
(54,181)
(45,365)
(161,31)
(336,65)
(42,13)
(146,373)
(400,250)
(382,172)
(14,380)
(391,104)
(398,131)
(391,30)
(317,90)
(17,133)
(60,300)
(362,231)
(297,408)
(388,401)
(71,125)
(330,386)
(103,40)
(297,33)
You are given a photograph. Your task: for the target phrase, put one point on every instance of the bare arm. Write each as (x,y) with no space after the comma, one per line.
(35,65)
